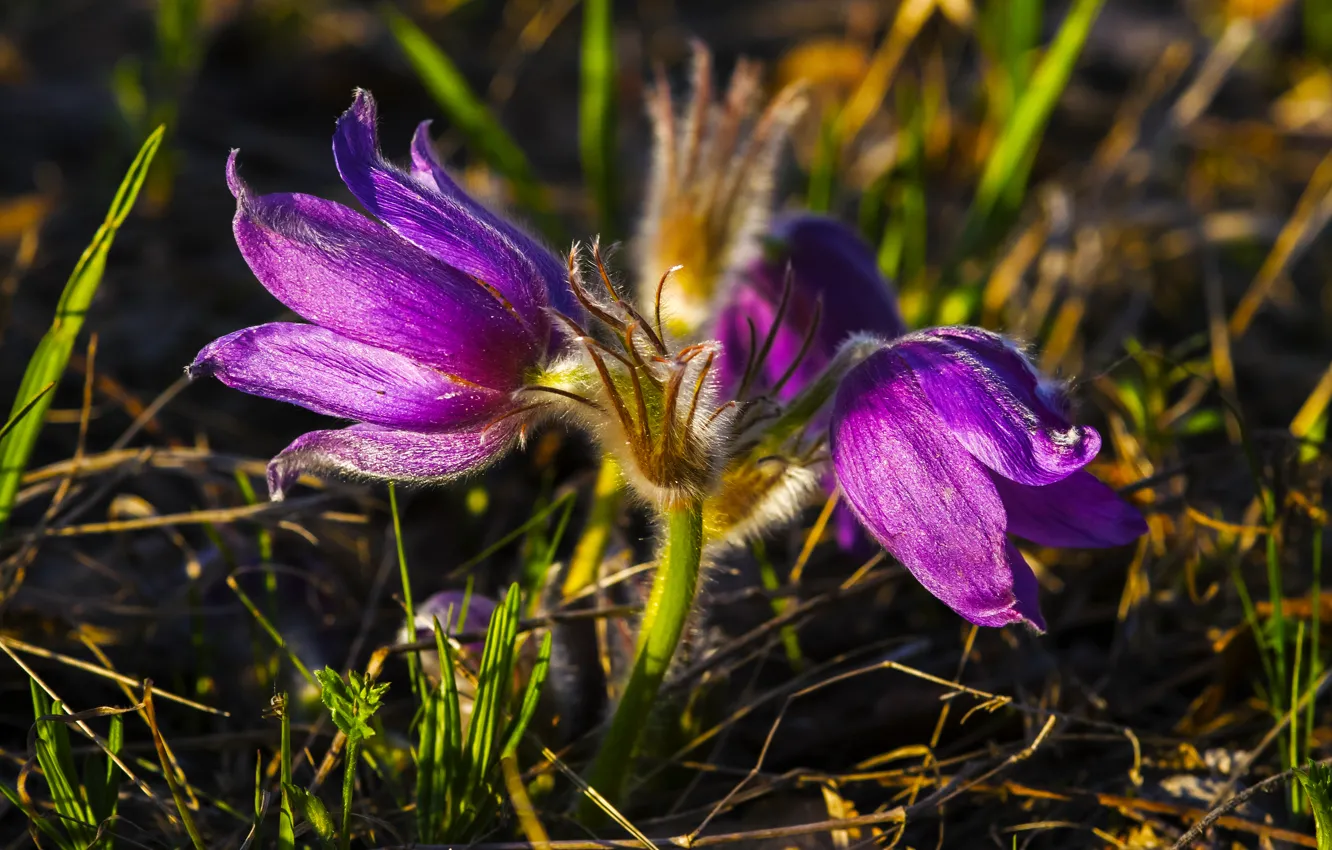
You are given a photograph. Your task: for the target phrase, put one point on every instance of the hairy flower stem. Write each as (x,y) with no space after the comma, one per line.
(607,494)
(659,633)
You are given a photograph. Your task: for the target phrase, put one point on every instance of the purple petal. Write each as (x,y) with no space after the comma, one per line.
(829,260)
(995,404)
(922,496)
(331,374)
(370,453)
(1076,512)
(1025,587)
(440,219)
(834,277)
(427,168)
(344,272)
(748,307)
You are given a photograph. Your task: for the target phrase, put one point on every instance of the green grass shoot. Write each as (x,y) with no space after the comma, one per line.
(48,362)
(457,778)
(596,116)
(1022,133)
(84,803)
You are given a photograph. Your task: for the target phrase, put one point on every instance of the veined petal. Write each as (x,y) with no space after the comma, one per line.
(427,169)
(1075,512)
(922,495)
(447,225)
(371,453)
(991,399)
(331,374)
(342,271)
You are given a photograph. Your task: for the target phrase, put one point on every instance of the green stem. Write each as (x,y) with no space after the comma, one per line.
(591,549)
(1315,657)
(348,785)
(663,622)
(413,660)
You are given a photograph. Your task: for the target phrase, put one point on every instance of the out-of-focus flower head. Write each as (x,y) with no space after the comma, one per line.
(426,325)
(454,617)
(945,442)
(815,285)
(710,189)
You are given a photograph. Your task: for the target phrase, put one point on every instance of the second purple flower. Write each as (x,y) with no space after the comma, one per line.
(944,442)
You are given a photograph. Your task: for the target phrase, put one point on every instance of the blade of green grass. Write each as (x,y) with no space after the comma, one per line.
(431,758)
(533,521)
(25,410)
(1022,133)
(413,660)
(49,361)
(1318,28)
(596,114)
(492,687)
(169,771)
(471,116)
(531,697)
(56,760)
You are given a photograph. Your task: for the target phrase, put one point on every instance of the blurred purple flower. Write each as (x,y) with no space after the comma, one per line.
(447,606)
(945,441)
(834,281)
(424,324)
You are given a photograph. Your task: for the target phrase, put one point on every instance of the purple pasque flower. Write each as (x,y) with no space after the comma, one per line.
(424,324)
(815,284)
(946,441)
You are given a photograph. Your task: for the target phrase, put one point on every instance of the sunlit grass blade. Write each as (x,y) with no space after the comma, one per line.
(585,562)
(48,362)
(1010,30)
(536,519)
(99,780)
(1023,131)
(453,771)
(413,662)
(470,115)
(596,115)
(436,754)
(54,756)
(531,697)
(23,411)
(492,689)
(541,548)
(1318,28)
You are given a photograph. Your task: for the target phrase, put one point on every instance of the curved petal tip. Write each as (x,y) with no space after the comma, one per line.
(239,190)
